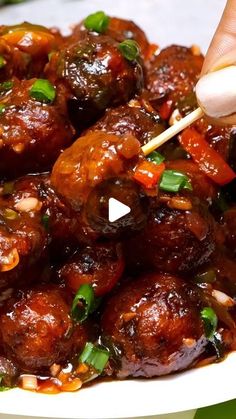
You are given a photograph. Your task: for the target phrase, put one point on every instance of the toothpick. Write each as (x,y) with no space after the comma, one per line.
(172,131)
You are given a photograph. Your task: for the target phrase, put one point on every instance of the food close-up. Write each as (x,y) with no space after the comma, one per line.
(84,298)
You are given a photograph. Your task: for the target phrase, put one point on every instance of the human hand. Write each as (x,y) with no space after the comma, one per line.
(216,90)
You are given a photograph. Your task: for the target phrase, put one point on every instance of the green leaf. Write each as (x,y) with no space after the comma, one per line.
(3,2)
(219,411)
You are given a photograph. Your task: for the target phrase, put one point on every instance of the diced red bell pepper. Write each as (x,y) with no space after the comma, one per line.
(208,160)
(148,173)
(165,110)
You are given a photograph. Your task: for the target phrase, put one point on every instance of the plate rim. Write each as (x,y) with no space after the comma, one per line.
(193,385)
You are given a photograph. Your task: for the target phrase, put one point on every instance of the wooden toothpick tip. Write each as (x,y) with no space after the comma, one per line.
(172,131)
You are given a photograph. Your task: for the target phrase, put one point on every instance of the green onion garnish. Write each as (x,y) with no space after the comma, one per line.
(97,22)
(2,62)
(8,188)
(43,91)
(83,303)
(10,214)
(2,387)
(221,202)
(129,49)
(218,345)
(210,321)
(5,86)
(95,356)
(2,108)
(155,157)
(173,181)
(50,55)
(206,277)
(45,221)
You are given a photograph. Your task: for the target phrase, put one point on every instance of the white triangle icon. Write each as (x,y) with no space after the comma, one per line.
(117,210)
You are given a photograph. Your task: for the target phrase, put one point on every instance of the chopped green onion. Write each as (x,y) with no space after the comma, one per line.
(156,157)
(188,185)
(2,62)
(129,49)
(43,91)
(218,345)
(221,202)
(8,188)
(2,387)
(45,221)
(97,22)
(50,55)
(86,352)
(95,356)
(173,181)
(210,321)
(10,214)
(83,303)
(2,108)
(5,86)
(206,277)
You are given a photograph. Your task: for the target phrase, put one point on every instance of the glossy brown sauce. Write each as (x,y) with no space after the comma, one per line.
(66,148)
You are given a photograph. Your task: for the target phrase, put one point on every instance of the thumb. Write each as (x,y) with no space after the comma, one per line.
(216,89)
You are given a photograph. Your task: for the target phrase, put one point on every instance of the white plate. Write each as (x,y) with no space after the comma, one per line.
(127,399)
(165,21)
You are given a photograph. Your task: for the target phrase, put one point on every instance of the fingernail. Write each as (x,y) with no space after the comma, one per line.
(216,92)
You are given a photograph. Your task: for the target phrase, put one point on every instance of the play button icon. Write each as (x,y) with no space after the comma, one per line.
(115,207)
(117,210)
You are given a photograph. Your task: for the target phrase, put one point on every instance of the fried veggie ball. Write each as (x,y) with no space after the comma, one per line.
(154,322)
(37,330)
(34,224)
(101,266)
(32,132)
(173,74)
(174,240)
(23,239)
(137,118)
(12,62)
(25,49)
(95,168)
(22,253)
(57,221)
(95,75)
